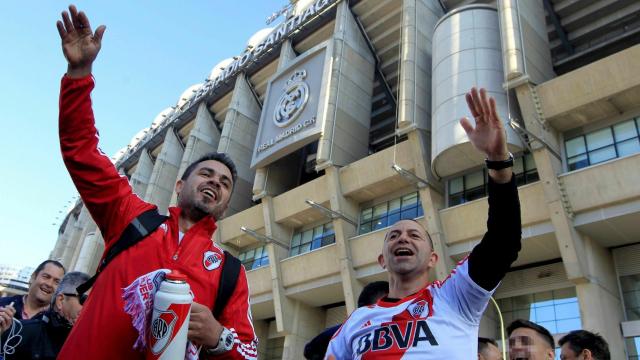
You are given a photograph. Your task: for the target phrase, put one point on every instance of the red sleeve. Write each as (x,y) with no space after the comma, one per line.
(106,194)
(236,317)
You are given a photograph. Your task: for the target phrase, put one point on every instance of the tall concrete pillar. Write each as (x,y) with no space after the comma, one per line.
(140,177)
(74,237)
(283,306)
(92,248)
(165,171)
(599,298)
(344,231)
(264,174)
(431,199)
(307,323)
(202,139)
(419,18)
(525,44)
(588,265)
(89,228)
(345,138)
(238,138)
(261,328)
(414,114)
(63,238)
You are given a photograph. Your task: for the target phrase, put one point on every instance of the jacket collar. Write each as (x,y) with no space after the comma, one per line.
(206,225)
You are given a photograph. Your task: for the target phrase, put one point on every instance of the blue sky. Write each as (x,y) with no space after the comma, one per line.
(151,52)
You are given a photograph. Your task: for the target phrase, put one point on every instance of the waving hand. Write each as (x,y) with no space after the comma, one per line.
(488,136)
(79,44)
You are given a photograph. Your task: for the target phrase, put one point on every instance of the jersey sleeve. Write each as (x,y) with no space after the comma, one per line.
(463,295)
(236,317)
(106,194)
(339,348)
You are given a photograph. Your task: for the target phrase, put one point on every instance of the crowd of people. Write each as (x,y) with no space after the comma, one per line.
(407,317)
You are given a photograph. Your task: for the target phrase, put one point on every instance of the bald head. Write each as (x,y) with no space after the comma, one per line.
(411,223)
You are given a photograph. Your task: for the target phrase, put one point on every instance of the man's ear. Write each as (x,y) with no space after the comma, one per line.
(58,303)
(586,354)
(381,261)
(179,185)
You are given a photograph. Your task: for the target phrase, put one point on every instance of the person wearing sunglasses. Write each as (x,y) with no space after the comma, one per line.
(43,336)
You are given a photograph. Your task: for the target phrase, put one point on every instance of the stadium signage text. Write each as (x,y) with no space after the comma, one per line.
(285,134)
(283,31)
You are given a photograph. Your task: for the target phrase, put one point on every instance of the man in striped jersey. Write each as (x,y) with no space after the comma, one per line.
(440,320)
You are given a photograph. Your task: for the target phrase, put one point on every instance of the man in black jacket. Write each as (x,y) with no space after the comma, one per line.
(42,337)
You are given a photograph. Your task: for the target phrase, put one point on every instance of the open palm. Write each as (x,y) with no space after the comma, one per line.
(489,135)
(79,44)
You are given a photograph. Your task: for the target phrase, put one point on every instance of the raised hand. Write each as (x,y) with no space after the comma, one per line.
(489,135)
(79,44)
(6,317)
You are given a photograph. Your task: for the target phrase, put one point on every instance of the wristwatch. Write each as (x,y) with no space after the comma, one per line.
(499,164)
(225,343)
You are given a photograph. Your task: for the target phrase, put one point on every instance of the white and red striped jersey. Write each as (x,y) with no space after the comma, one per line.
(439,322)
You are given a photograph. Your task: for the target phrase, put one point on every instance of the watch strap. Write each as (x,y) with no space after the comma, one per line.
(499,164)
(225,343)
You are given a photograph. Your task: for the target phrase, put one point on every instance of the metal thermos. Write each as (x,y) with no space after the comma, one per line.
(167,338)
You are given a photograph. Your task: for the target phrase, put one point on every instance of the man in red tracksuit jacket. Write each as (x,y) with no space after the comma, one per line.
(183,242)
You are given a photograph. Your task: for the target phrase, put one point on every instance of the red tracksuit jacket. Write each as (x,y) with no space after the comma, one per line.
(104,330)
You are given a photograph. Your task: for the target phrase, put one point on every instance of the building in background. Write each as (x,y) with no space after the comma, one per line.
(343,118)
(14,280)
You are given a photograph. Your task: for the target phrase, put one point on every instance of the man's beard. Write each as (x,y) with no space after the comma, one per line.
(199,210)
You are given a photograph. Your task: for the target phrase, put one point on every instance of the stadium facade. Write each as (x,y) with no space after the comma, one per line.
(343,119)
(14,280)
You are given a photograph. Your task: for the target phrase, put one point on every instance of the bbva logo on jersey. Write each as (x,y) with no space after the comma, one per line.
(392,336)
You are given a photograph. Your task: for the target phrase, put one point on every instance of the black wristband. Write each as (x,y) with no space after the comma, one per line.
(499,164)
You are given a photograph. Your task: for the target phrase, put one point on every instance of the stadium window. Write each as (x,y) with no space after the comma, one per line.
(311,239)
(630,286)
(387,213)
(254,258)
(633,347)
(604,144)
(557,310)
(473,185)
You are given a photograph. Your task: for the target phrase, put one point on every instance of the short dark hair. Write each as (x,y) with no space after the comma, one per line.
(217,156)
(483,343)
(372,292)
(521,323)
(44,263)
(579,340)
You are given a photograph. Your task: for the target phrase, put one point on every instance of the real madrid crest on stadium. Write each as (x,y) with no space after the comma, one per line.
(211,260)
(292,101)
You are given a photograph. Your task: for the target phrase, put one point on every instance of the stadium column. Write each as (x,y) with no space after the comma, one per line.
(414,115)
(237,140)
(165,171)
(92,248)
(140,177)
(58,251)
(74,238)
(307,322)
(202,139)
(89,228)
(588,265)
(283,306)
(343,232)
(262,174)
(347,111)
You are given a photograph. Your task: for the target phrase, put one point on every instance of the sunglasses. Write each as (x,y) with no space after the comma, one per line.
(81,298)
